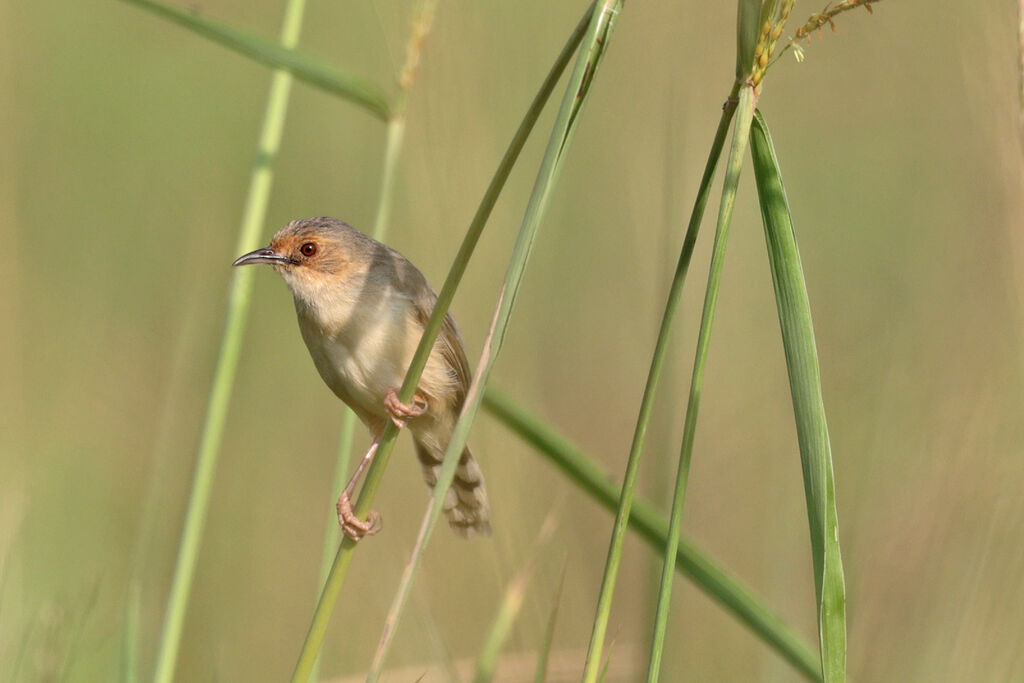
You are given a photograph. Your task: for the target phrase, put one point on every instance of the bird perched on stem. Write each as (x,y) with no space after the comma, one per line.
(362,308)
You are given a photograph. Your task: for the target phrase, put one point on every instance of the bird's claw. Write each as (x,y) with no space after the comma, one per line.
(403,412)
(354,527)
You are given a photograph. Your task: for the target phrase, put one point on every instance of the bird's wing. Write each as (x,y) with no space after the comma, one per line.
(449,343)
(408,279)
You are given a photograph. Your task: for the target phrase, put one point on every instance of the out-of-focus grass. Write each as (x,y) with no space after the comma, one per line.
(124,152)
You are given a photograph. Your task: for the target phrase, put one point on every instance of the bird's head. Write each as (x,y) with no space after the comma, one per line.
(313,253)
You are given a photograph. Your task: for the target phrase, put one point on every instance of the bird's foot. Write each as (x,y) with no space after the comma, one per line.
(403,412)
(354,527)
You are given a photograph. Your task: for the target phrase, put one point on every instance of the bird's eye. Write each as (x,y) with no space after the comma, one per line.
(308,249)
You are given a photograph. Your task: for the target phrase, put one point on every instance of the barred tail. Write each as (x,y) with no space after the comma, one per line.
(466,503)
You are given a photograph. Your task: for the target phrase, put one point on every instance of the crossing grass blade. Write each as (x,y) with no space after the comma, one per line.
(591,52)
(644,520)
(277,56)
(808,406)
(343,558)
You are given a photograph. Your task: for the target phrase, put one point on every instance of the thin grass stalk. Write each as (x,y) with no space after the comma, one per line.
(254,216)
(504,620)
(696,216)
(604,604)
(442,654)
(732,173)
(808,405)
(392,150)
(77,635)
(343,558)
(644,519)
(544,654)
(131,635)
(332,532)
(1020,58)
(508,610)
(278,56)
(592,49)
(661,348)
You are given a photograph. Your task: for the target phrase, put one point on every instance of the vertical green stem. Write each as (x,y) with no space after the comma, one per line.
(392,149)
(629,483)
(343,558)
(670,308)
(260,185)
(130,634)
(732,175)
(331,534)
(592,49)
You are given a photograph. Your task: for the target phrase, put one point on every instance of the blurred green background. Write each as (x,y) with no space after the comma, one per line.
(125,150)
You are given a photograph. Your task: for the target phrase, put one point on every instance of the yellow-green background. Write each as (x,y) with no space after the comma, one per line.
(125,148)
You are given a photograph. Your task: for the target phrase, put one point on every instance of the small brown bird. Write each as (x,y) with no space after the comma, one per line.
(362,308)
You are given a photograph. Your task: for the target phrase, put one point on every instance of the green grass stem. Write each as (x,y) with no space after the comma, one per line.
(131,634)
(661,345)
(808,405)
(253,219)
(592,50)
(675,292)
(332,532)
(709,576)
(741,133)
(278,56)
(392,150)
(343,558)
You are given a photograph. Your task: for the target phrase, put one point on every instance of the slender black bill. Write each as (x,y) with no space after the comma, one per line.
(264,255)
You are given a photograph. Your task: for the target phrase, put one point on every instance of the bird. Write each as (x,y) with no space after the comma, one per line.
(362,308)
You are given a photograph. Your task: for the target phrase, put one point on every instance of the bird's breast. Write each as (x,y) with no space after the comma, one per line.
(360,350)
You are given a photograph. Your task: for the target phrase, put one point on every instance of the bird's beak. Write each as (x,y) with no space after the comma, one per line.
(264,255)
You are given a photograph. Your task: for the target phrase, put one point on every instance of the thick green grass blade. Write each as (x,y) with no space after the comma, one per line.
(591,52)
(276,55)
(253,218)
(343,558)
(808,406)
(711,578)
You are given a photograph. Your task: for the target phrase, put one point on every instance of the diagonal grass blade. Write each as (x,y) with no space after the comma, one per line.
(276,55)
(715,581)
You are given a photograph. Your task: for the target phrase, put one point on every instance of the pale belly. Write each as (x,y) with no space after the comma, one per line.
(361,369)
(362,356)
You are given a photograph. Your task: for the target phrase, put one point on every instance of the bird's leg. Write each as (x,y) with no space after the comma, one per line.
(354,527)
(403,412)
